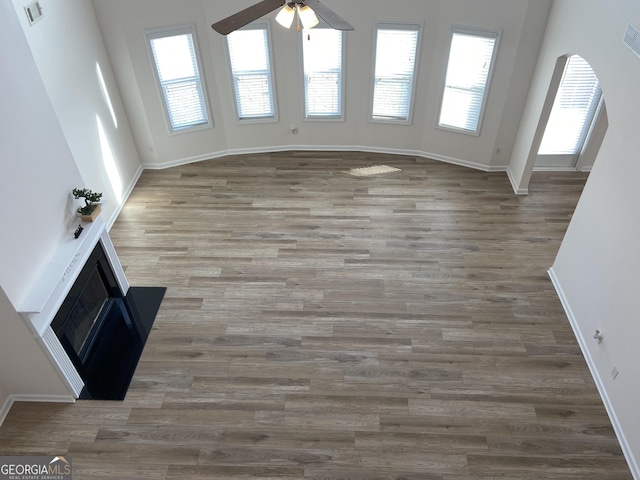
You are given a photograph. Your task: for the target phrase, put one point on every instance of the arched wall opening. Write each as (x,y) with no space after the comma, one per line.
(595,136)
(571,127)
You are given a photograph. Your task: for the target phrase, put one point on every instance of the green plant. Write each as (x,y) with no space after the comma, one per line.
(90,199)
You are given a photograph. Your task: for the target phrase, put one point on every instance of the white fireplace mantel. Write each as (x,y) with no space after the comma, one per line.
(52,287)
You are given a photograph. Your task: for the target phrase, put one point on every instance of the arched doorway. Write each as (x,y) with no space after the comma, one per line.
(577,120)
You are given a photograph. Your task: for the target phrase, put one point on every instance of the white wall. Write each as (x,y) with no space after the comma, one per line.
(522,25)
(34,377)
(68,48)
(123,24)
(38,170)
(36,206)
(596,270)
(522,22)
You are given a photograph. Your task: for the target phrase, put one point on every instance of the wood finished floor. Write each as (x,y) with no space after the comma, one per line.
(323,326)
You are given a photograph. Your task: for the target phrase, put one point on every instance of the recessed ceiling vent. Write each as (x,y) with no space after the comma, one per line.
(632,39)
(34,12)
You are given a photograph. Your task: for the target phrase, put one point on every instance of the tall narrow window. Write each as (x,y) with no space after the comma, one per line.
(394,74)
(573,109)
(471,59)
(250,62)
(323,53)
(175,63)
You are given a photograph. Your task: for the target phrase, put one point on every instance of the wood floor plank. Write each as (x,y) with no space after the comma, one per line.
(322,326)
(247,456)
(161,435)
(234,472)
(281,438)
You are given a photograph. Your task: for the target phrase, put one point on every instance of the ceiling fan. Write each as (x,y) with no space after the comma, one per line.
(306,10)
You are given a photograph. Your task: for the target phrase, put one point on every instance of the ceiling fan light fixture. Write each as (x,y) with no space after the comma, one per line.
(285,16)
(307,17)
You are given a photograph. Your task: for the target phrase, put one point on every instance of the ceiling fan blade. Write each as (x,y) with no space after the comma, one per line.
(328,15)
(246,16)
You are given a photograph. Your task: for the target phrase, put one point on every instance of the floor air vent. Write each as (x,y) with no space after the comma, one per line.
(632,39)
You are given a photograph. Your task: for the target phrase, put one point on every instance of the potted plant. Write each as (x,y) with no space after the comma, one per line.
(91,208)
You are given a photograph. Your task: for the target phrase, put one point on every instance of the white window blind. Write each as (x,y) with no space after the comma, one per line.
(573,109)
(471,58)
(322,62)
(395,65)
(251,73)
(177,73)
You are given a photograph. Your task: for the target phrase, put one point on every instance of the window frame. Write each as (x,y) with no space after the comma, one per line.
(170,32)
(259,25)
(410,26)
(342,77)
(478,32)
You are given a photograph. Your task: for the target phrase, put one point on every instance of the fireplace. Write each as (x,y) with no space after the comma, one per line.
(90,323)
(98,331)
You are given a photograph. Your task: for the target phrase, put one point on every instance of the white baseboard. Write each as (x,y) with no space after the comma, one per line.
(11,399)
(554,169)
(4,410)
(631,461)
(326,148)
(514,184)
(562,169)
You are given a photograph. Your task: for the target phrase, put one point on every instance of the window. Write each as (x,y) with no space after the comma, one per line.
(175,63)
(394,72)
(322,51)
(573,109)
(471,59)
(250,63)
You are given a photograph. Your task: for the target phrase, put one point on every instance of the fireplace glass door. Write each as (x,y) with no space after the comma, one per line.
(86,309)
(86,314)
